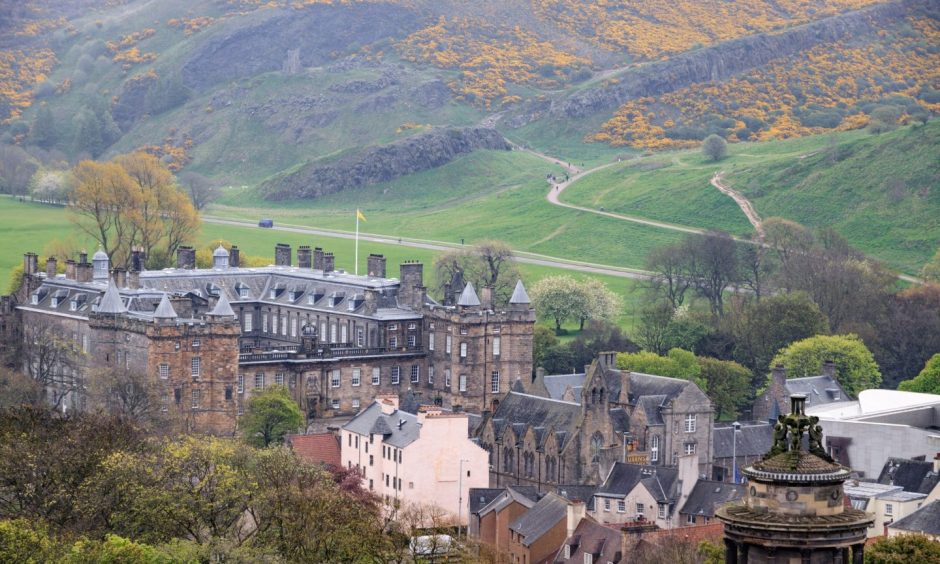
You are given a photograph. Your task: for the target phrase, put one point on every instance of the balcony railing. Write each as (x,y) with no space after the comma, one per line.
(323,353)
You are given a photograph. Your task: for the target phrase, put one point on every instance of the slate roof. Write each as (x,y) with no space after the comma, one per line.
(925,520)
(540,518)
(912,475)
(753,440)
(620,420)
(519,295)
(574,492)
(400,437)
(708,495)
(652,406)
(222,308)
(590,537)
(819,390)
(652,385)
(468,298)
(318,448)
(165,309)
(527,496)
(556,384)
(660,481)
(524,410)
(478,498)
(111,302)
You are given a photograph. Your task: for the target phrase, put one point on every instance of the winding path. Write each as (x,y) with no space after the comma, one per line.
(746,206)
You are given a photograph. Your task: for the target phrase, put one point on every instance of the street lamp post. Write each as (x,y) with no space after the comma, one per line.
(734,451)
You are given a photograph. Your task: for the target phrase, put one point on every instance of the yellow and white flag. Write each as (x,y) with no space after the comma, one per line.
(359,215)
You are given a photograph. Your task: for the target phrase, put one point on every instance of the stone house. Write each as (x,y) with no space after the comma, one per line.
(706,497)
(492,510)
(634,492)
(886,502)
(537,534)
(819,390)
(414,459)
(550,435)
(924,521)
(334,339)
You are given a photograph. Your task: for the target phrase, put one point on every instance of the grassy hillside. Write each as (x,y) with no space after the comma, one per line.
(879,191)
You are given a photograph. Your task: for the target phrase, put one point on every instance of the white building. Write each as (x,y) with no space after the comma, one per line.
(888,503)
(425,458)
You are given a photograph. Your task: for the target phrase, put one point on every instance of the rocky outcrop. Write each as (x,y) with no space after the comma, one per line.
(381,164)
(722,61)
(315,33)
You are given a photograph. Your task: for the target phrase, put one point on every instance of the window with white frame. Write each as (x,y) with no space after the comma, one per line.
(448,341)
(889,509)
(588,558)
(274,323)
(662,511)
(689,448)
(247,320)
(496,346)
(463,350)
(447,377)
(690,519)
(344,333)
(639,509)
(690,423)
(241,384)
(606,504)
(412,326)
(194,365)
(356,376)
(195,343)
(279,378)
(197,397)
(284,325)
(621,506)
(334,404)
(415,373)
(323,332)
(396,375)
(376,376)
(393,341)
(293,326)
(463,382)
(494,382)
(360,337)
(463,330)
(259,381)
(430,341)
(393,327)
(264,323)
(654,448)
(430,374)
(164,371)
(355,404)
(412,341)
(335,379)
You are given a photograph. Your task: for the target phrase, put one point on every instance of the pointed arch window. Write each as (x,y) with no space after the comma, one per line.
(597,444)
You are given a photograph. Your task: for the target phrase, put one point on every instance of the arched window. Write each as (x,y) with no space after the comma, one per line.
(593,396)
(597,443)
(509,460)
(601,396)
(654,448)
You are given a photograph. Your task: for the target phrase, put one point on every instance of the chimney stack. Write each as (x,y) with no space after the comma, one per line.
(120,277)
(30,263)
(304,257)
(70,270)
(317,258)
(411,291)
(233,257)
(576,511)
(829,369)
(329,262)
(376,265)
(137,260)
(186,257)
(487,297)
(133,280)
(282,254)
(51,265)
(83,272)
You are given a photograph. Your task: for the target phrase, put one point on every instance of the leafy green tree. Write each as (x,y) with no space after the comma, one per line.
(44,132)
(883,119)
(88,135)
(903,549)
(114,550)
(728,386)
(600,304)
(761,328)
(931,270)
(23,541)
(928,381)
(676,364)
(543,339)
(270,415)
(714,147)
(856,369)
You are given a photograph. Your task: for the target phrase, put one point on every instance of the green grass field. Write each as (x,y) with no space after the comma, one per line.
(26,226)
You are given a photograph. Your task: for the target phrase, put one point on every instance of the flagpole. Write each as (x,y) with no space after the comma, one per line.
(357,242)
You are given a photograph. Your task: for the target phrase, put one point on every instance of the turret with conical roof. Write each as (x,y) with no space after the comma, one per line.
(222,307)
(468,298)
(165,311)
(111,302)
(519,296)
(794,505)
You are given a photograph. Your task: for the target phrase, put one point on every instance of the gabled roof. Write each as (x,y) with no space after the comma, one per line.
(577,492)
(111,301)
(318,448)
(519,295)
(468,298)
(590,537)
(510,495)
(556,384)
(165,309)
(819,390)
(652,385)
(400,436)
(708,495)
(652,406)
(912,475)
(925,520)
(753,440)
(541,518)
(523,410)
(478,498)
(660,481)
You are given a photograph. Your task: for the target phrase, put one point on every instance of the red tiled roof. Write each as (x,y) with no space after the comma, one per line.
(318,448)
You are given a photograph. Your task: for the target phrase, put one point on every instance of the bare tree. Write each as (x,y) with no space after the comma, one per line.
(126,392)
(715,268)
(202,191)
(487,264)
(51,359)
(670,266)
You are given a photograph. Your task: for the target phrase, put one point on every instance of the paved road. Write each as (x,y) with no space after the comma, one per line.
(522,257)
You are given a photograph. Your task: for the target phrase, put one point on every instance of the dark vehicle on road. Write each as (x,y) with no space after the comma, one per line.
(266,223)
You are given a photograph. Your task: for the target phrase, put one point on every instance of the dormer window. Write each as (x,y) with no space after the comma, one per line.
(276,291)
(34,299)
(73,305)
(243,291)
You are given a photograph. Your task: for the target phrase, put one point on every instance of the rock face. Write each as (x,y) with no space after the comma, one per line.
(722,61)
(313,34)
(381,164)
